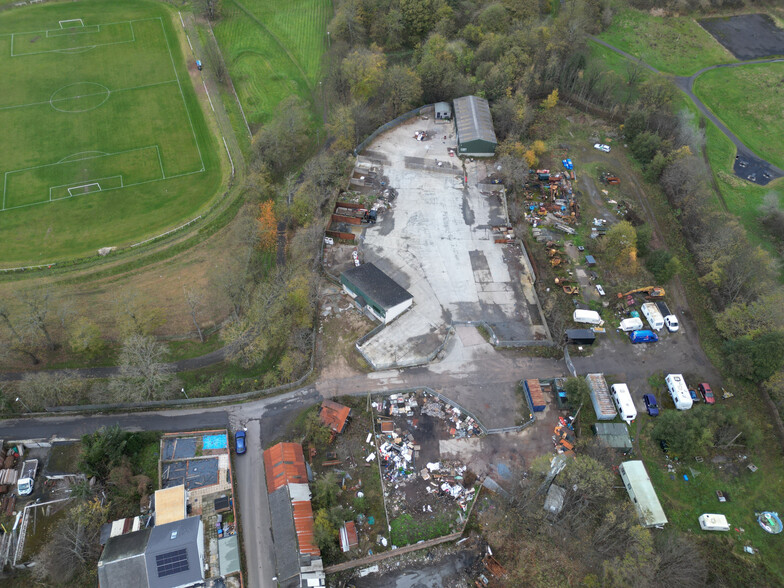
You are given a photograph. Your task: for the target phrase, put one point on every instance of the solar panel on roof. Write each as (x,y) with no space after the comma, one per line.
(172,562)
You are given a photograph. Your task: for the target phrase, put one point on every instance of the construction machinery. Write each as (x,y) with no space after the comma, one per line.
(609,178)
(651,291)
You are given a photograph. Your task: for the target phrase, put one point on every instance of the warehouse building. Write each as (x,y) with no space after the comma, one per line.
(376,292)
(474,124)
(646,502)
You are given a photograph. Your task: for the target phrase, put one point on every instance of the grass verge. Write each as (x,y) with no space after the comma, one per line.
(672,44)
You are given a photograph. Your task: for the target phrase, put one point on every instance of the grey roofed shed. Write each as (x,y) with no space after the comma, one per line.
(615,435)
(443,111)
(122,561)
(474,123)
(384,295)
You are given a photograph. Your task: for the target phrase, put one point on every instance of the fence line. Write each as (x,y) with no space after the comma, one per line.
(393,123)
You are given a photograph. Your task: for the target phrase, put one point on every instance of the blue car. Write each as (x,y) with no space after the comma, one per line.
(643,337)
(650,404)
(239,442)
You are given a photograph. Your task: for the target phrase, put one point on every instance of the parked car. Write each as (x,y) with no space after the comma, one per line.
(671,322)
(694,396)
(650,404)
(601,147)
(643,337)
(239,442)
(707,393)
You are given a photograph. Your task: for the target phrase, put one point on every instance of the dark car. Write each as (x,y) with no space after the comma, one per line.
(650,404)
(707,393)
(239,442)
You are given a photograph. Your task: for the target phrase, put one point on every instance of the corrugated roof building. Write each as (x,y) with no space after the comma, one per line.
(284,464)
(334,415)
(297,556)
(474,124)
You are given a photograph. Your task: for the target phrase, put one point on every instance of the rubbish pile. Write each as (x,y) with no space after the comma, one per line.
(445,479)
(460,425)
(421,136)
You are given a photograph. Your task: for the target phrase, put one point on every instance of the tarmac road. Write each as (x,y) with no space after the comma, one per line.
(748,166)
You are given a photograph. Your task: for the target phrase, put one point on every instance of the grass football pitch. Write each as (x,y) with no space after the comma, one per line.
(104,141)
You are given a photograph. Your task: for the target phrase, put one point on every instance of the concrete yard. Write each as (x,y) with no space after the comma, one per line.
(437,242)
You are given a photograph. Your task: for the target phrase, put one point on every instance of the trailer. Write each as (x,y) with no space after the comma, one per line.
(27,478)
(679,391)
(534,394)
(580,336)
(600,397)
(653,316)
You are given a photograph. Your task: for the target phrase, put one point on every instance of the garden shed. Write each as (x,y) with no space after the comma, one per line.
(443,111)
(474,124)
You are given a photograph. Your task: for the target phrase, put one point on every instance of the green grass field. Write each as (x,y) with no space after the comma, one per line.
(273,50)
(749,101)
(104,142)
(676,45)
(684,501)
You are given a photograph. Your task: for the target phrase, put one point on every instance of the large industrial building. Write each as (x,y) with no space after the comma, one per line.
(474,124)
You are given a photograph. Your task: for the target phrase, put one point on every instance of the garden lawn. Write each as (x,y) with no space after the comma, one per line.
(676,45)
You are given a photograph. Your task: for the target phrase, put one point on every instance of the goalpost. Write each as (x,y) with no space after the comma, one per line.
(71,20)
(84,189)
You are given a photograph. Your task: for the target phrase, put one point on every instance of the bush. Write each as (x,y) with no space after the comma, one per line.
(662,265)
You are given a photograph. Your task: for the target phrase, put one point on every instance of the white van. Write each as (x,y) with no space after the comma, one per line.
(714,522)
(587,316)
(653,316)
(631,324)
(679,391)
(623,402)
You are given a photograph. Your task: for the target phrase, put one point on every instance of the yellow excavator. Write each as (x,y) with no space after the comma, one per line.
(652,291)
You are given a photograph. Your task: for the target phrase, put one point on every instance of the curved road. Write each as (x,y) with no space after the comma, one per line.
(747,164)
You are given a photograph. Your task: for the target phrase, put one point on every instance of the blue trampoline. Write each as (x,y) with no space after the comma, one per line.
(215,442)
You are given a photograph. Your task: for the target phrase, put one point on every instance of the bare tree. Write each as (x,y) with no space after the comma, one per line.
(143,372)
(36,303)
(22,342)
(680,563)
(48,388)
(194,299)
(74,544)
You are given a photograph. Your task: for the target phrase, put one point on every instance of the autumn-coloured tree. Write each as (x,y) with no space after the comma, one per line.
(552,100)
(530,157)
(267,225)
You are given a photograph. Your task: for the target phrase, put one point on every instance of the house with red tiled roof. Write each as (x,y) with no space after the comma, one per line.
(334,415)
(297,556)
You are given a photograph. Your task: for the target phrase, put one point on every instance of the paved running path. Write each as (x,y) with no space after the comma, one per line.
(686,84)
